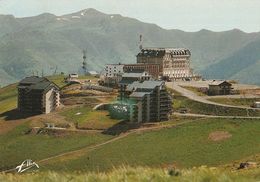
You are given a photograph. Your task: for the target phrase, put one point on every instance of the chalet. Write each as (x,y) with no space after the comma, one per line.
(220,88)
(37,95)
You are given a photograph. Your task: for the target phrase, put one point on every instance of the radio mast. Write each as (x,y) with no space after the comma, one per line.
(84,63)
(141,42)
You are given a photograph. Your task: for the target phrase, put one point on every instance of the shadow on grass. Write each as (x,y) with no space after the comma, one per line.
(14,115)
(121,127)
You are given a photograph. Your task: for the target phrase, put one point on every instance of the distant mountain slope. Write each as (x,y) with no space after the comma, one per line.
(40,43)
(242,65)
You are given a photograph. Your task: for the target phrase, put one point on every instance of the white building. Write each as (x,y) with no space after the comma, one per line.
(113,70)
(175,63)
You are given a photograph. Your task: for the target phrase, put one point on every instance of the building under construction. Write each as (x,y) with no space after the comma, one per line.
(149,101)
(37,95)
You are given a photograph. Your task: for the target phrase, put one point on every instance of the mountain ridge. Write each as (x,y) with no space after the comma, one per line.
(40,42)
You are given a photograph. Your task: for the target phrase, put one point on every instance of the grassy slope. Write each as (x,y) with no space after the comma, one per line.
(8,100)
(89,118)
(141,174)
(185,146)
(234,101)
(17,146)
(195,90)
(133,150)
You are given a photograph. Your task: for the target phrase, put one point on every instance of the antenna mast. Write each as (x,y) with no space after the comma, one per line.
(84,64)
(141,42)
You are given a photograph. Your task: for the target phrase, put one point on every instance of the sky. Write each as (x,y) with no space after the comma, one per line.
(187,15)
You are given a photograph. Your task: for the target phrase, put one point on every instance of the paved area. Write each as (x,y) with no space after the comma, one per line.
(199,84)
(193,96)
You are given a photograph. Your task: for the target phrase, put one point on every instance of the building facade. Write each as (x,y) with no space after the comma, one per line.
(111,75)
(153,69)
(149,101)
(113,70)
(37,95)
(174,63)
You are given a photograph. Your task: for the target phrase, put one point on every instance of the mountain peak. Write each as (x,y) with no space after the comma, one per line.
(89,11)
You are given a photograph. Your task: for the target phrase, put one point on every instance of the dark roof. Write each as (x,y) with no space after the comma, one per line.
(144,85)
(160,52)
(32,80)
(36,83)
(217,82)
(141,89)
(127,81)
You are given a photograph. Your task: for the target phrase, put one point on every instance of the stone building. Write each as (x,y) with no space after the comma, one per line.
(37,95)
(220,88)
(174,63)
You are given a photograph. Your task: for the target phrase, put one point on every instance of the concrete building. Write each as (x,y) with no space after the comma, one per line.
(37,95)
(220,88)
(174,63)
(111,75)
(113,70)
(129,78)
(150,101)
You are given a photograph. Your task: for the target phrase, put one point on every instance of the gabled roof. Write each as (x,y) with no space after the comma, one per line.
(32,80)
(36,83)
(144,85)
(219,82)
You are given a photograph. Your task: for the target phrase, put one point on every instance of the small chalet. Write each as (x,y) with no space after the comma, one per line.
(220,88)
(37,95)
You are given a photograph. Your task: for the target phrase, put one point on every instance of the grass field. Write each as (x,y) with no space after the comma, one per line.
(86,117)
(235,101)
(195,90)
(184,146)
(58,80)
(202,174)
(8,100)
(16,146)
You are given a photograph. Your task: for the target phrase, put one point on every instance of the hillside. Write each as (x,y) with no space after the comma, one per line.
(93,142)
(38,44)
(243,65)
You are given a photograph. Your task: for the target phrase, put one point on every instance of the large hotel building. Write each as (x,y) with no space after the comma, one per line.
(174,63)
